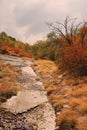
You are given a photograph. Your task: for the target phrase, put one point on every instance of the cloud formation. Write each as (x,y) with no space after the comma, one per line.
(26,20)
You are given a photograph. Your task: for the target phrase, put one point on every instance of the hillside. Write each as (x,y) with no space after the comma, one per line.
(9,45)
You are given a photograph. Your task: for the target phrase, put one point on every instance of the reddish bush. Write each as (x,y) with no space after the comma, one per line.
(26,54)
(11,50)
(14,51)
(74,59)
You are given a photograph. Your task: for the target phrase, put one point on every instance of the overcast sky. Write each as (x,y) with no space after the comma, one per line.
(26,19)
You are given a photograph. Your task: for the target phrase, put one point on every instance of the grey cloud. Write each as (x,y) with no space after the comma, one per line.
(28,15)
(78,7)
(24,18)
(34,16)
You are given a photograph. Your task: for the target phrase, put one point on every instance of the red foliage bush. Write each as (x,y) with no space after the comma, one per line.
(10,50)
(14,51)
(74,59)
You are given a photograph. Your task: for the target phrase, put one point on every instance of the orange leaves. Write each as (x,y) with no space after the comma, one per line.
(11,50)
(14,51)
(11,46)
(74,59)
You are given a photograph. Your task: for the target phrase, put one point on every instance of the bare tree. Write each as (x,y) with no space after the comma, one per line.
(69,29)
(83,33)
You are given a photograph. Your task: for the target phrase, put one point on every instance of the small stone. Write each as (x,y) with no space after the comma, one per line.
(57,128)
(58,113)
(60,76)
(66,106)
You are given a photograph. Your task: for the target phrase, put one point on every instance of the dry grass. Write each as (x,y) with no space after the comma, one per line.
(8,81)
(79,92)
(74,102)
(82,123)
(50,89)
(82,107)
(79,103)
(67,120)
(69,91)
(45,67)
(57,101)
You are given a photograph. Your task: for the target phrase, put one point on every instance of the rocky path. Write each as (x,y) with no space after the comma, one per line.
(30,109)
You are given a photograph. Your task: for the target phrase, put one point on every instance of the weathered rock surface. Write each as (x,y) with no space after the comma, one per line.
(25,100)
(30,109)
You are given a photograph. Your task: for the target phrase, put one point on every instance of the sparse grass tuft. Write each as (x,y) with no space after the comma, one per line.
(50,89)
(57,102)
(79,104)
(82,108)
(79,92)
(82,123)
(67,120)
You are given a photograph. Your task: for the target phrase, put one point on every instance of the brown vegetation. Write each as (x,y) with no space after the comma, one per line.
(8,81)
(10,46)
(66,85)
(74,59)
(66,45)
(67,94)
(14,51)
(67,120)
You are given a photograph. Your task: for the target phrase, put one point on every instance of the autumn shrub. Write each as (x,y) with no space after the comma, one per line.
(46,49)
(27,54)
(67,120)
(9,50)
(73,58)
(14,51)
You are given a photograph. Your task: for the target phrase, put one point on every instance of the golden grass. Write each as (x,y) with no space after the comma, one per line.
(8,81)
(57,101)
(82,108)
(67,120)
(45,67)
(82,123)
(70,91)
(79,91)
(79,104)
(50,89)
(73,102)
